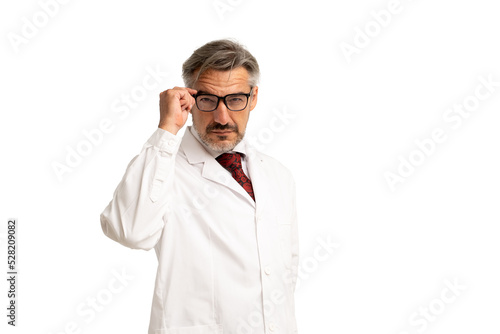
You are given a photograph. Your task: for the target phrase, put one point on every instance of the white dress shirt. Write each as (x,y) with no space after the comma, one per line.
(226,264)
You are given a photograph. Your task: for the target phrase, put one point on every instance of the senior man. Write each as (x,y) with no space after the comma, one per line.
(220,215)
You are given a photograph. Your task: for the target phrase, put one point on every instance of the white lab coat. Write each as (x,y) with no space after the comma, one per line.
(226,264)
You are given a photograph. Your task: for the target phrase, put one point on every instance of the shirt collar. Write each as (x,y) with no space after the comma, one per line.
(240,148)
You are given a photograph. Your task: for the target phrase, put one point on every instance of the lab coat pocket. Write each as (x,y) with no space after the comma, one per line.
(208,329)
(285,233)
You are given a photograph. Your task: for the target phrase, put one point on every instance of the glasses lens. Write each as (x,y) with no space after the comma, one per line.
(236,102)
(206,102)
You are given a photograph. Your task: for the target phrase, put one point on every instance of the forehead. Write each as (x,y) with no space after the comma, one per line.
(223,82)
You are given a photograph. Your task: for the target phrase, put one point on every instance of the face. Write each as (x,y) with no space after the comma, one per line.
(222,129)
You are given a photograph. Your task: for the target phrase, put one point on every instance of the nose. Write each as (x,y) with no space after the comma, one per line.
(221,114)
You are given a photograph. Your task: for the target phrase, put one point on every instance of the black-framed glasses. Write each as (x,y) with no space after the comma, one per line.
(233,102)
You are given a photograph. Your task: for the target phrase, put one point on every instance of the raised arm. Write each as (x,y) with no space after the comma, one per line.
(136,215)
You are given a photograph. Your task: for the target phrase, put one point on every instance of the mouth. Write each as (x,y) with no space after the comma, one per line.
(222,132)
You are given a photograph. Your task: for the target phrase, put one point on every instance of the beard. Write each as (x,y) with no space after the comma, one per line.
(221,145)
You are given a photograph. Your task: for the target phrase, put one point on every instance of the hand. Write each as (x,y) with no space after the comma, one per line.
(175,105)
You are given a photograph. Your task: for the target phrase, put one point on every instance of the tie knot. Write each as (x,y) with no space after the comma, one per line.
(230,161)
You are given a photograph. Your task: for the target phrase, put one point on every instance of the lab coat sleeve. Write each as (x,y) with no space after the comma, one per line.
(135,215)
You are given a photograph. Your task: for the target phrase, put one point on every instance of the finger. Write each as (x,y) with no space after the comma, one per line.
(186,92)
(186,103)
(189,96)
(189,90)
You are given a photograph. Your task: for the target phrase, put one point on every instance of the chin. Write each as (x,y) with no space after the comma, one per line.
(221,146)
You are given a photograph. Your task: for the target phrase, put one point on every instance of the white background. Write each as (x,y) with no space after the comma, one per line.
(351,121)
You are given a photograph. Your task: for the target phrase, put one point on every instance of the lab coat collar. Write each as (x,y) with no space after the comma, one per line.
(194,150)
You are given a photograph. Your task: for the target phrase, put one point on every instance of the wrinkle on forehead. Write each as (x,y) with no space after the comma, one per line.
(223,82)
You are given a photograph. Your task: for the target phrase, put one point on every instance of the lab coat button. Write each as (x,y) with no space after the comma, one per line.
(272,326)
(267,270)
(171,143)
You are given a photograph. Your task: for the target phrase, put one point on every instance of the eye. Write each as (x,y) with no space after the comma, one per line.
(235,99)
(206,99)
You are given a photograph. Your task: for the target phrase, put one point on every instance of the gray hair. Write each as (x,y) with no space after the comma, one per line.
(220,55)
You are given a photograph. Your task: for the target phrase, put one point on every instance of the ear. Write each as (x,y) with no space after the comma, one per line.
(255,93)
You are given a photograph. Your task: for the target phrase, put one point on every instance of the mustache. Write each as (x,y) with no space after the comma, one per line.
(222,127)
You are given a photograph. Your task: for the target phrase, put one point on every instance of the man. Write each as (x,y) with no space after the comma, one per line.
(220,215)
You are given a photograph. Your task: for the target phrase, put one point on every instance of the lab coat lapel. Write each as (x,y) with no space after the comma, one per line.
(260,181)
(212,170)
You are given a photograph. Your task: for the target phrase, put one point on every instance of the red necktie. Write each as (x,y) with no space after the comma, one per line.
(232,162)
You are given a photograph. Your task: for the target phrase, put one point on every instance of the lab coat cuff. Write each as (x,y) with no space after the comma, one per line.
(165,141)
